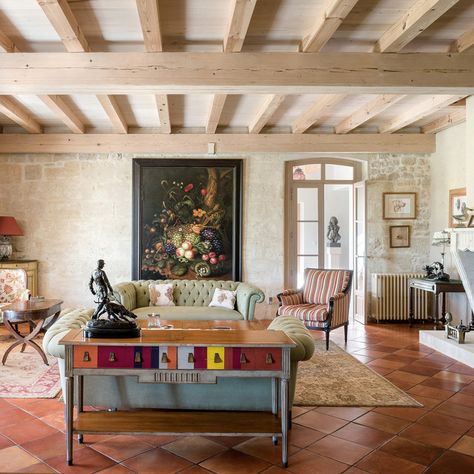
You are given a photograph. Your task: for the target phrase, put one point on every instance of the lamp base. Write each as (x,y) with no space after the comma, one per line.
(6,248)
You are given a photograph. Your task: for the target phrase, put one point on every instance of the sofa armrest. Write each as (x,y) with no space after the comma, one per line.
(247,297)
(68,319)
(127,294)
(338,309)
(287,297)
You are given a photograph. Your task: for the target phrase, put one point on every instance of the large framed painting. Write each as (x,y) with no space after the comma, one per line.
(187,217)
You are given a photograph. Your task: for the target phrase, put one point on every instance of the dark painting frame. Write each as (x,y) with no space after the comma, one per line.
(165,233)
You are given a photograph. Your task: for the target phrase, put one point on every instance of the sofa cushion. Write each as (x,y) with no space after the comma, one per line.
(305,312)
(161,294)
(320,285)
(223,299)
(185,292)
(185,312)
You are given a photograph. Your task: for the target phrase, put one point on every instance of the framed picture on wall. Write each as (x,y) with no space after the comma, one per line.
(457,208)
(399,205)
(399,236)
(187,219)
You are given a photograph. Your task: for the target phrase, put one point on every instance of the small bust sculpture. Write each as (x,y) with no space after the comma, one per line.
(333,233)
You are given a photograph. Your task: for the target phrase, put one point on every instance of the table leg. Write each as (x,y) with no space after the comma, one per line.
(69,417)
(20,339)
(443,308)
(284,421)
(275,405)
(410,306)
(80,402)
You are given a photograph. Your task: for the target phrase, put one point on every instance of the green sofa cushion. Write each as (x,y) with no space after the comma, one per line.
(188,312)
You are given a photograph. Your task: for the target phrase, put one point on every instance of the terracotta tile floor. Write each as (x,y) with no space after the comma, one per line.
(438,438)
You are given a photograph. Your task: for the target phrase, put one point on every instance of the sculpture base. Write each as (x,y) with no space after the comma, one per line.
(104,328)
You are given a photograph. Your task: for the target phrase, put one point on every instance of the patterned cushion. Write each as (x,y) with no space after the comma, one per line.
(320,285)
(12,285)
(305,312)
(292,298)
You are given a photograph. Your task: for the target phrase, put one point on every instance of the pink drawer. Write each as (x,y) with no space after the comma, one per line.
(116,357)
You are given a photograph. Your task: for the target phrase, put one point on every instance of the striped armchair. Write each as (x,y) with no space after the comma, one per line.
(323,303)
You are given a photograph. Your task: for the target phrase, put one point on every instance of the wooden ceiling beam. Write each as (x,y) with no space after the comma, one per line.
(64,112)
(224,143)
(413,114)
(335,11)
(367,112)
(6,44)
(215,111)
(267,109)
(419,17)
(19,114)
(149,13)
(243,73)
(316,112)
(439,124)
(109,104)
(242,11)
(464,42)
(62,19)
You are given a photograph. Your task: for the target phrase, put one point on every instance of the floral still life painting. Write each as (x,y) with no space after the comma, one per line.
(189,225)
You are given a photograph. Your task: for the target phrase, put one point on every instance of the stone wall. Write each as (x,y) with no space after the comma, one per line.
(76,208)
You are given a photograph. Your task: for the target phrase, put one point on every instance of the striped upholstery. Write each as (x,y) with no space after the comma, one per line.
(305,312)
(340,313)
(320,285)
(290,297)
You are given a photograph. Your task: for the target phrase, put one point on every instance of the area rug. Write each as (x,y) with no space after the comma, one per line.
(336,379)
(24,374)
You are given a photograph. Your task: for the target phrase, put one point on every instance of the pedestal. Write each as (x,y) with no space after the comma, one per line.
(333,257)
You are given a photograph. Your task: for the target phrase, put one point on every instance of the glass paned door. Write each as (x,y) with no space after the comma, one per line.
(360,255)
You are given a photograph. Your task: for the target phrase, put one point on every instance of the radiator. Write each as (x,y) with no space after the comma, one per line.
(389,297)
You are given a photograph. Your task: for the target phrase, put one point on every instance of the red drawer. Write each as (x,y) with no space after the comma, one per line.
(200,357)
(232,358)
(85,357)
(247,358)
(142,357)
(116,357)
(268,358)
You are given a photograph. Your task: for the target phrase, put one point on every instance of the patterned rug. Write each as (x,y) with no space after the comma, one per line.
(336,379)
(25,375)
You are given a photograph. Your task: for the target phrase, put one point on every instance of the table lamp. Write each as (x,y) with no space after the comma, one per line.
(8,227)
(441,239)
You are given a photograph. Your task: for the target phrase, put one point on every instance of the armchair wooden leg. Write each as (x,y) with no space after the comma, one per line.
(346,327)
(327,338)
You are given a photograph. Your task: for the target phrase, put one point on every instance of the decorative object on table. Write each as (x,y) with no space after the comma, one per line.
(441,239)
(399,236)
(399,205)
(435,271)
(187,219)
(458,210)
(119,321)
(8,228)
(457,333)
(333,233)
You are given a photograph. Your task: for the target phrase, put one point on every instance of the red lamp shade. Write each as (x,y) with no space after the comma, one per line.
(9,226)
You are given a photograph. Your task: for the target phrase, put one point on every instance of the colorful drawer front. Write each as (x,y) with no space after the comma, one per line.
(85,357)
(215,358)
(186,358)
(267,358)
(116,357)
(142,357)
(167,357)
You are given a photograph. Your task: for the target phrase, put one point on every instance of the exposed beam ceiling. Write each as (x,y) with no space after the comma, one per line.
(318,110)
(243,73)
(215,112)
(64,112)
(62,19)
(6,44)
(326,24)
(465,42)
(267,109)
(368,111)
(421,15)
(239,21)
(16,112)
(413,114)
(224,143)
(453,118)
(149,13)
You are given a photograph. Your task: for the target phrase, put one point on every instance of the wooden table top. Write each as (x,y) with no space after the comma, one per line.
(192,333)
(31,310)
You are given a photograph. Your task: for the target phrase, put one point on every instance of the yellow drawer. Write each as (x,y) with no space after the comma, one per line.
(215,358)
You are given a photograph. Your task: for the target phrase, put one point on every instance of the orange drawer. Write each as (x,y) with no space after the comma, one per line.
(85,357)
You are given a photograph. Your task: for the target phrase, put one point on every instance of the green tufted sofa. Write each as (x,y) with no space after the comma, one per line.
(192,298)
(226,394)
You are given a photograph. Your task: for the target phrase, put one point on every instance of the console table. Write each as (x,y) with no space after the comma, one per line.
(436,287)
(177,356)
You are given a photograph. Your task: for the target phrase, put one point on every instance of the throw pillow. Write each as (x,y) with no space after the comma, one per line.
(223,298)
(161,294)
